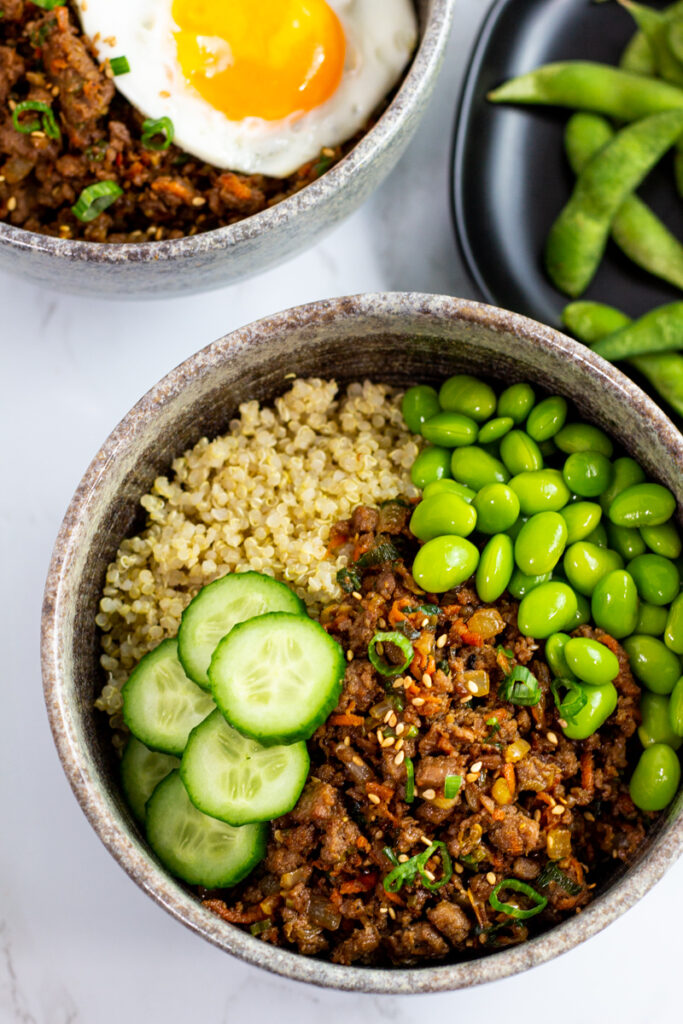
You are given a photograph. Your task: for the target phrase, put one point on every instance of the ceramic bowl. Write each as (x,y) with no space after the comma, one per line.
(398,338)
(220,257)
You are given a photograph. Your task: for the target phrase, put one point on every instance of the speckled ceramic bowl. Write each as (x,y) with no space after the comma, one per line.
(399,338)
(219,257)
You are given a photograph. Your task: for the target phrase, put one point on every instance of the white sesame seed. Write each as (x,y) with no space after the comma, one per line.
(393,720)
(358,597)
(380,736)
(384,910)
(387,716)
(491,878)
(347,741)
(399,757)
(471,777)
(427,842)
(428,794)
(429,874)
(388,742)
(373,798)
(476,767)
(427,680)
(551,737)
(403,858)
(425,622)
(562,723)
(472,687)
(12,203)
(558,810)
(400,728)
(349,655)
(399,744)
(418,701)
(442,641)
(357,761)
(392,913)
(458,868)
(198,201)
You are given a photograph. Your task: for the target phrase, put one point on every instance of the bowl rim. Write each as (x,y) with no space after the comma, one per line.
(129,851)
(415,84)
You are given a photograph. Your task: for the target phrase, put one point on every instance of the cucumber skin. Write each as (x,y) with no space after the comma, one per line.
(305,731)
(130,781)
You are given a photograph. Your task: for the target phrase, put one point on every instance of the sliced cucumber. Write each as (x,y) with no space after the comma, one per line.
(161,706)
(142,770)
(199,849)
(237,779)
(221,605)
(277,677)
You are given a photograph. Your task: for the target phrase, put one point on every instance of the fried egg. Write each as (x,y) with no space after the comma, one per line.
(257,86)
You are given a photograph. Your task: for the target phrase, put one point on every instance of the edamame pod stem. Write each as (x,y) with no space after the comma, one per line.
(660,330)
(578,237)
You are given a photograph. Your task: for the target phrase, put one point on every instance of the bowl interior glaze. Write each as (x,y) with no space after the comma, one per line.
(397,338)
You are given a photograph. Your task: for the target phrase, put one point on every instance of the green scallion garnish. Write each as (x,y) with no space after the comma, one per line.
(451,786)
(551,873)
(410,780)
(521,687)
(119,65)
(574,699)
(48,5)
(152,129)
(406,873)
(390,855)
(383,666)
(46,121)
(261,926)
(540,902)
(94,199)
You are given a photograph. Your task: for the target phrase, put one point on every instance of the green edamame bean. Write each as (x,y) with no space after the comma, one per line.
(495,568)
(517,401)
(664,540)
(547,608)
(476,468)
(554,655)
(653,663)
(430,465)
(615,604)
(450,430)
(547,449)
(448,486)
(591,661)
(655,779)
(655,577)
(444,562)
(513,531)
(495,429)
(441,515)
(540,543)
(581,518)
(497,508)
(587,473)
(598,536)
(582,614)
(625,473)
(585,565)
(419,405)
(546,418)
(626,540)
(540,490)
(468,396)
(656,725)
(651,619)
(583,437)
(676,708)
(601,702)
(642,505)
(521,584)
(673,630)
(520,452)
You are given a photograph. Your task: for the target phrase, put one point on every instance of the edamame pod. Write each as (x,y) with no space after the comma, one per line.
(547,608)
(615,604)
(655,779)
(653,663)
(540,543)
(495,568)
(658,330)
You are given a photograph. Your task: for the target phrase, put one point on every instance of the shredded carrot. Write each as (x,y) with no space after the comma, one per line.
(509,776)
(335,898)
(363,844)
(346,718)
(587,780)
(361,546)
(396,613)
(234,916)
(546,798)
(473,639)
(361,884)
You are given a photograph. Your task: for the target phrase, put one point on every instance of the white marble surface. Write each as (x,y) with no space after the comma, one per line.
(78,941)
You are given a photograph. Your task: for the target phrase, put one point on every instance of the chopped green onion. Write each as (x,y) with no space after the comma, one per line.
(521,687)
(398,640)
(384,552)
(406,873)
(349,580)
(451,786)
(48,5)
(46,121)
(493,723)
(322,165)
(411,732)
(94,199)
(261,926)
(426,609)
(151,128)
(119,65)
(410,780)
(505,650)
(551,873)
(390,855)
(540,902)
(574,699)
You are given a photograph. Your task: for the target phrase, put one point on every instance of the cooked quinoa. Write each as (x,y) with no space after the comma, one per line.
(262,497)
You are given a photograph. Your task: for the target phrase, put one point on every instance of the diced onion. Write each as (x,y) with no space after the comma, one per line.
(486,622)
(516,751)
(477,682)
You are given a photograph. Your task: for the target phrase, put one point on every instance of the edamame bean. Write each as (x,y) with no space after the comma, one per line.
(600,703)
(591,661)
(626,473)
(651,619)
(521,584)
(663,540)
(495,568)
(443,514)
(497,508)
(626,540)
(520,452)
(655,779)
(582,614)
(444,562)
(598,536)
(517,401)
(554,655)
(615,605)
(546,418)
(547,608)
(583,437)
(448,486)
(513,531)
(585,565)
(673,630)
(656,725)
(676,708)
(431,464)
(476,468)
(581,518)
(495,429)
(540,543)
(653,663)
(587,473)
(450,430)
(419,405)
(642,505)
(655,577)
(540,490)
(469,396)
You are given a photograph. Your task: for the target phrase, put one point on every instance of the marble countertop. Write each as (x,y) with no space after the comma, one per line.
(78,941)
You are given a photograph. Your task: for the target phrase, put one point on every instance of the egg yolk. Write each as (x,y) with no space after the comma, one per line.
(260,58)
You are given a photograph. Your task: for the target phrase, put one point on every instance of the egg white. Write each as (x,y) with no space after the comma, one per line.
(380,38)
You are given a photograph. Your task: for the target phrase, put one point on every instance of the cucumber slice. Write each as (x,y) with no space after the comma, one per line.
(142,770)
(237,779)
(161,706)
(221,605)
(277,677)
(199,849)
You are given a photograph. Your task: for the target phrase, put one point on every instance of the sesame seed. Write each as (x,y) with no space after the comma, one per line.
(37,134)
(379,647)
(418,701)
(429,874)
(12,203)
(476,767)
(551,737)
(537,814)
(392,913)
(399,757)
(349,655)
(491,878)
(428,794)
(373,798)
(357,761)
(442,641)
(382,623)
(399,744)
(558,810)
(327,151)
(425,622)
(465,700)
(471,777)
(427,842)
(562,723)
(400,728)
(2,177)
(398,684)
(472,687)
(393,720)
(384,910)
(380,736)
(290,376)
(427,680)
(588,816)
(358,597)
(388,742)
(458,868)
(278,835)
(387,716)
(403,858)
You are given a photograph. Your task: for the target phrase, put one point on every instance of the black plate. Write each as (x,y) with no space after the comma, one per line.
(510,175)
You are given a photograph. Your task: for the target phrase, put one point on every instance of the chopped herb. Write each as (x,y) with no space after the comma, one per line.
(390,855)
(443,666)
(383,666)
(406,873)
(410,780)
(119,65)
(152,129)
(551,873)
(322,165)
(406,627)
(384,552)
(426,609)
(472,860)
(94,199)
(411,732)
(539,902)
(521,687)
(46,121)
(574,699)
(493,724)
(261,926)
(349,580)
(451,786)
(505,650)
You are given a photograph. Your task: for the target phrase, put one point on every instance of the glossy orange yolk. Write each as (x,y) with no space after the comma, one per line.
(260,58)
